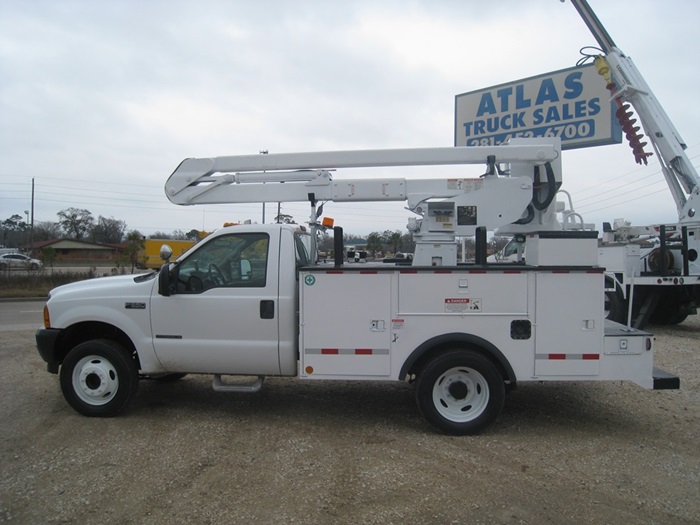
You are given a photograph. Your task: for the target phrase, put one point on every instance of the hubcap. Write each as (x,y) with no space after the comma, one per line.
(458,390)
(461,394)
(95,380)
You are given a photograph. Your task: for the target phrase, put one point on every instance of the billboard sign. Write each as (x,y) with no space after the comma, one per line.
(572,104)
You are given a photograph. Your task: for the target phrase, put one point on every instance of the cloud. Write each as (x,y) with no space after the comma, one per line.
(108,97)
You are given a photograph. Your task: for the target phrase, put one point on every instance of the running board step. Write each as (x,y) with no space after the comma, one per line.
(219,386)
(665,380)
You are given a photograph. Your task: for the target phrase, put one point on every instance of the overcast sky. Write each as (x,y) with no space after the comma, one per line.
(101,100)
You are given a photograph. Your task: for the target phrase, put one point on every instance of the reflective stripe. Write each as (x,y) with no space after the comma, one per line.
(346,351)
(569,357)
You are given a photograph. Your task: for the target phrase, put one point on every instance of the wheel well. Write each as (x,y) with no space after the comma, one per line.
(444,343)
(81,332)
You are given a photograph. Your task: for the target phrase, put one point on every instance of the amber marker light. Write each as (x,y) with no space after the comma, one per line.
(309,370)
(47,318)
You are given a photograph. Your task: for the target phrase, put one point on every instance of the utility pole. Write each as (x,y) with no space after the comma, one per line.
(31,224)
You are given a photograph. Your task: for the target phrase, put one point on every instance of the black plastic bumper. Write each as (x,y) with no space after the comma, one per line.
(665,381)
(46,344)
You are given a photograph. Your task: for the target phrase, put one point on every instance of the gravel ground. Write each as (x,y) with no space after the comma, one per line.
(317,452)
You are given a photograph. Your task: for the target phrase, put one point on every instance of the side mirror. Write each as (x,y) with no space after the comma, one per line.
(246,270)
(166,252)
(164,280)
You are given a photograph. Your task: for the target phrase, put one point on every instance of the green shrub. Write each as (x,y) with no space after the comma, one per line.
(17,283)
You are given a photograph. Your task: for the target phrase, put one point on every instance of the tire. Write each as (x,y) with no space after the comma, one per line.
(99,378)
(669,313)
(460,392)
(614,306)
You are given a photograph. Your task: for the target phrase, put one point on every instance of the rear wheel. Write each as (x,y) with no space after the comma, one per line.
(614,306)
(99,378)
(460,392)
(669,313)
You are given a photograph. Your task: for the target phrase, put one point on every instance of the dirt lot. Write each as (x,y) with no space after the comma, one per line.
(350,453)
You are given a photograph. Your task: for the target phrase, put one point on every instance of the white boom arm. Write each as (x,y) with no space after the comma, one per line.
(629,86)
(246,178)
(490,201)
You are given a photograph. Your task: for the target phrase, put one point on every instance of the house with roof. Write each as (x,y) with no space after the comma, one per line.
(71,251)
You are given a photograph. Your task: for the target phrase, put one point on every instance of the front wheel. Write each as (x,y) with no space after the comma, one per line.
(460,392)
(99,378)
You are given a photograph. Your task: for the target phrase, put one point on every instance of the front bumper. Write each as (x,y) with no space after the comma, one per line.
(46,345)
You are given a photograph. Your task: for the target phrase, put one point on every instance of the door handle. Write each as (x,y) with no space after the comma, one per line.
(267,309)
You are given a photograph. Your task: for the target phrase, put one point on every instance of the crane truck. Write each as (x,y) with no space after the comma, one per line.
(653,271)
(251,300)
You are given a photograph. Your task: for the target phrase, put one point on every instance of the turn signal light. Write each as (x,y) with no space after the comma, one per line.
(327,222)
(47,318)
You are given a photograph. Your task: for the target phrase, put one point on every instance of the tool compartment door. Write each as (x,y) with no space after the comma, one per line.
(569,335)
(345,324)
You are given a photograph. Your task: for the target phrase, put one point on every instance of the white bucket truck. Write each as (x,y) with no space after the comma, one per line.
(251,300)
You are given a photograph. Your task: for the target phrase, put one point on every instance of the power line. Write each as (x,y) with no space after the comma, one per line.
(599,187)
(628,200)
(620,196)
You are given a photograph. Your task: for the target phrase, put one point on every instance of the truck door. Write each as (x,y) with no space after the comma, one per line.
(223,315)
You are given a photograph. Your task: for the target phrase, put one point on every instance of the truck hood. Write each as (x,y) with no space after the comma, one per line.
(119,285)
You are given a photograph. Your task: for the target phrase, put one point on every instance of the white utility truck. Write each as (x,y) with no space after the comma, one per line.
(252,301)
(653,272)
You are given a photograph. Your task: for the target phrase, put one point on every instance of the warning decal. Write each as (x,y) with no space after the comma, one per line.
(462,304)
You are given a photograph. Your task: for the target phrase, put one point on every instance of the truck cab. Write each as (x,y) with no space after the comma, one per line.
(227,306)
(242,286)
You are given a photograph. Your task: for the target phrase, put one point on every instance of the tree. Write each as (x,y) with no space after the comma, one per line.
(108,230)
(48,256)
(192,235)
(46,231)
(375,243)
(159,235)
(407,243)
(133,253)
(76,222)
(393,240)
(284,219)
(12,231)
(324,242)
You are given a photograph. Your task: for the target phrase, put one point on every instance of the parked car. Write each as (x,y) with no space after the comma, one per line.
(17,260)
